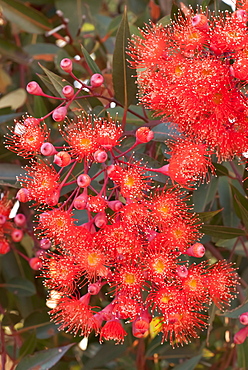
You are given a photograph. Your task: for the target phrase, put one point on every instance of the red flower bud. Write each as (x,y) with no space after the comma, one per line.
(200,22)
(2,220)
(115,205)
(241,335)
(244,318)
(31,121)
(47,149)
(100,220)
(59,114)
(62,159)
(144,135)
(34,88)
(182,271)
(35,263)
(66,65)
(20,219)
(17,235)
(196,250)
(4,247)
(80,202)
(22,195)
(83,180)
(100,156)
(68,91)
(45,244)
(96,80)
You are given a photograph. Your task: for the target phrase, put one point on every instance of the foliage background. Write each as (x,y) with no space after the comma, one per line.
(26,41)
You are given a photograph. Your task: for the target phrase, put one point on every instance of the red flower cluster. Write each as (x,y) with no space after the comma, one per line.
(192,71)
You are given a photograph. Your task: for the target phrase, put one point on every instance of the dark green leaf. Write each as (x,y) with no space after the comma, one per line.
(9,117)
(205,194)
(243,211)
(189,364)
(165,20)
(234,314)
(91,63)
(9,171)
(124,84)
(220,170)
(206,216)
(222,232)
(21,287)
(226,201)
(242,355)
(27,18)
(29,345)
(43,360)
(108,352)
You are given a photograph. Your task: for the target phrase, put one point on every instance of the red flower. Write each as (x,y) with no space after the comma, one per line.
(113,330)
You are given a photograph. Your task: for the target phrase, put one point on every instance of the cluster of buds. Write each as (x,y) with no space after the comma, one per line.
(242,334)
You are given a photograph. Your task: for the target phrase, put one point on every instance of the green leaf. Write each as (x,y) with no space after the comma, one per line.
(108,352)
(226,201)
(91,63)
(222,232)
(9,117)
(206,216)
(234,314)
(27,18)
(29,345)
(242,355)
(243,211)
(20,286)
(40,321)
(205,194)
(165,20)
(220,170)
(124,84)
(43,360)
(188,364)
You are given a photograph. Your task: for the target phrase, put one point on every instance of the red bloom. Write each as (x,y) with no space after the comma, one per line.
(113,330)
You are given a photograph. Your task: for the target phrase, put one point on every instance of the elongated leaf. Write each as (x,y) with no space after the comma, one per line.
(189,364)
(226,201)
(21,287)
(124,84)
(242,355)
(107,353)
(43,360)
(234,314)
(9,171)
(244,213)
(91,63)
(206,216)
(27,18)
(222,232)
(9,117)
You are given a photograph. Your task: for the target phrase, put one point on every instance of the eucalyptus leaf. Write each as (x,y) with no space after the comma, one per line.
(222,232)
(20,286)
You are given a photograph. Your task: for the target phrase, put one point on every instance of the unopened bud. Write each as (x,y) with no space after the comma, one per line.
(244,318)
(241,335)
(17,235)
(164,170)
(35,263)
(62,159)
(2,220)
(100,156)
(200,22)
(59,114)
(45,244)
(4,247)
(53,199)
(80,202)
(94,288)
(68,91)
(20,219)
(34,88)
(96,80)
(22,195)
(66,65)
(196,250)
(182,271)
(115,205)
(31,121)
(100,220)
(140,326)
(144,135)
(241,15)
(47,149)
(83,180)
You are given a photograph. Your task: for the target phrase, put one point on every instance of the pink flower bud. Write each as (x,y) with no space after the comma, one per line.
(94,288)
(17,235)
(20,219)
(59,114)
(241,335)
(4,247)
(115,205)
(47,149)
(62,159)
(40,253)
(34,88)
(196,250)
(140,326)
(244,318)
(80,202)
(66,65)
(200,22)
(53,199)
(164,170)
(100,156)
(96,80)
(31,121)
(35,263)
(22,195)
(45,244)
(100,220)
(241,15)
(68,91)
(2,220)
(144,135)
(182,271)
(83,180)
